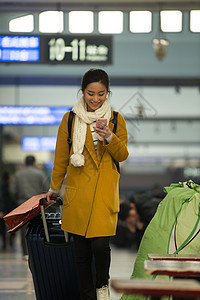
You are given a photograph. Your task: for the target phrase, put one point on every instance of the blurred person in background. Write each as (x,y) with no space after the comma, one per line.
(157,191)
(6,205)
(145,207)
(28,182)
(134,217)
(126,236)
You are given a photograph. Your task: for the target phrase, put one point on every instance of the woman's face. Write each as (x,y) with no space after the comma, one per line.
(95,95)
(132,216)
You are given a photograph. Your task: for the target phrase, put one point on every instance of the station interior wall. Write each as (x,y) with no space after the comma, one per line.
(159,149)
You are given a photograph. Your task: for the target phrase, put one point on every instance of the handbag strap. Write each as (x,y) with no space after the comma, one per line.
(70,120)
(114,121)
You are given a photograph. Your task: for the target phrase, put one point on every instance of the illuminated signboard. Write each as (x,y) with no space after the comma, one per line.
(31,115)
(50,49)
(19,48)
(38,143)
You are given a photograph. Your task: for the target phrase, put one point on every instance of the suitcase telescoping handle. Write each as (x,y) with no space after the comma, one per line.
(60,202)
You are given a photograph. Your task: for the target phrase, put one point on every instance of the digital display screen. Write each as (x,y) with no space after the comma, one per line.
(56,49)
(19,48)
(79,49)
(38,143)
(32,115)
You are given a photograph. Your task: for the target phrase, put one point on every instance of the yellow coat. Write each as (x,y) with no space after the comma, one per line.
(91,199)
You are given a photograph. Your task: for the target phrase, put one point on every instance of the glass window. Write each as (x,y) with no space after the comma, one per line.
(81,21)
(195,20)
(171,20)
(110,22)
(51,21)
(140,21)
(22,24)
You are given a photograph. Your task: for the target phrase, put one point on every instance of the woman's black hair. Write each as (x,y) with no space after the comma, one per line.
(95,75)
(124,210)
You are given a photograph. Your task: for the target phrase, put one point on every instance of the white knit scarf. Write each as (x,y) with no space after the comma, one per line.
(82,118)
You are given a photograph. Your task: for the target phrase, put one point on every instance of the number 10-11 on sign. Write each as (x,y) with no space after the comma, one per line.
(78,50)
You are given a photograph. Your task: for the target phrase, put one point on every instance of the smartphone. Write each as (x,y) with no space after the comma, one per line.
(100,123)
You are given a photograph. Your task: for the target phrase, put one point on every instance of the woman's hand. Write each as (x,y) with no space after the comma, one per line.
(49,195)
(104,132)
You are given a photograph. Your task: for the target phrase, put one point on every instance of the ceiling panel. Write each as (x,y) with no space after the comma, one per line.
(103,1)
(97,4)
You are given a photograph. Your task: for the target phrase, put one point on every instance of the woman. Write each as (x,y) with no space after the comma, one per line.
(91,200)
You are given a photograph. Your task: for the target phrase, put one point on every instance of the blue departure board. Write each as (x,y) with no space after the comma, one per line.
(38,143)
(56,49)
(32,115)
(19,48)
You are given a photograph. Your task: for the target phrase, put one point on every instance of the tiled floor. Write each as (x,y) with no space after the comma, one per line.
(16,280)
(121,266)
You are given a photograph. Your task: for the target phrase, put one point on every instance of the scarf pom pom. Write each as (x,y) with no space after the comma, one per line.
(77,160)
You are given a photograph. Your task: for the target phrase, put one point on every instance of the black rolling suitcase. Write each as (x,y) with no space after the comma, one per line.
(51,258)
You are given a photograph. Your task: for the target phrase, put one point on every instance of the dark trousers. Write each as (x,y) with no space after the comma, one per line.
(3,233)
(23,232)
(87,249)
